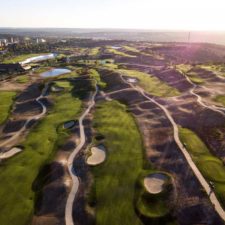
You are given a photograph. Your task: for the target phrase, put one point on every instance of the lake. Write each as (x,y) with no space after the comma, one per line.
(55,72)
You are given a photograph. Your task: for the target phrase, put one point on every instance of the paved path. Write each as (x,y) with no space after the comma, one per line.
(75,180)
(186,154)
(199,98)
(36,117)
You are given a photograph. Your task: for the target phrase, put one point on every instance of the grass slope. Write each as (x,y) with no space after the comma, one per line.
(17,174)
(6,100)
(210,166)
(151,84)
(115,179)
(21,58)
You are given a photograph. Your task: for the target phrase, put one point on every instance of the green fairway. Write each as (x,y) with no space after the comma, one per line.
(115,179)
(22,79)
(6,101)
(95,75)
(210,166)
(21,58)
(151,84)
(119,53)
(18,173)
(220,99)
(195,78)
(114,193)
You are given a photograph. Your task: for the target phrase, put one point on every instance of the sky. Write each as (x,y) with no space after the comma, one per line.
(138,14)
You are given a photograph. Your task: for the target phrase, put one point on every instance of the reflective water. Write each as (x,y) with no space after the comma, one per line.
(39,58)
(55,72)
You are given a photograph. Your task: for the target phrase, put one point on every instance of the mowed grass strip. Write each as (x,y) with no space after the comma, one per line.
(151,84)
(114,180)
(18,173)
(220,99)
(6,101)
(210,166)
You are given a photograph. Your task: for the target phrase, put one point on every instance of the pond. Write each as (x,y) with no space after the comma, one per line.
(55,72)
(39,58)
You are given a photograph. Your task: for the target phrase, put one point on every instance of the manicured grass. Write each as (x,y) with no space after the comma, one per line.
(215,68)
(21,58)
(195,78)
(183,67)
(18,173)
(115,179)
(210,166)
(131,49)
(95,75)
(220,99)
(118,182)
(94,51)
(22,79)
(6,100)
(117,52)
(151,84)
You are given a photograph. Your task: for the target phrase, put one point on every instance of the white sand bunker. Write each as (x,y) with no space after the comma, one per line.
(132,80)
(10,153)
(154,183)
(98,156)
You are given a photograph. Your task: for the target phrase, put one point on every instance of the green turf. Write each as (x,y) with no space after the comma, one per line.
(21,58)
(210,166)
(95,75)
(18,173)
(94,51)
(23,79)
(151,84)
(193,76)
(131,49)
(119,53)
(115,178)
(115,190)
(220,99)
(6,101)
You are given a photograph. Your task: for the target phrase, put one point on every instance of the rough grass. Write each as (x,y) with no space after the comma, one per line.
(21,58)
(220,99)
(210,166)
(151,84)
(6,100)
(18,173)
(115,178)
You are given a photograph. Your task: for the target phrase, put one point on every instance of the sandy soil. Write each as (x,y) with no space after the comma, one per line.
(154,183)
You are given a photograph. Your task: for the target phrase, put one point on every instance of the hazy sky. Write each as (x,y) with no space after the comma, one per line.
(148,14)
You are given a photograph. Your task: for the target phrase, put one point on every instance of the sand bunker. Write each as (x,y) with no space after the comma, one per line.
(10,153)
(98,156)
(154,183)
(132,80)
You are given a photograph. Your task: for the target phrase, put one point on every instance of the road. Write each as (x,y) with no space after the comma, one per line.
(75,180)
(215,202)
(36,117)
